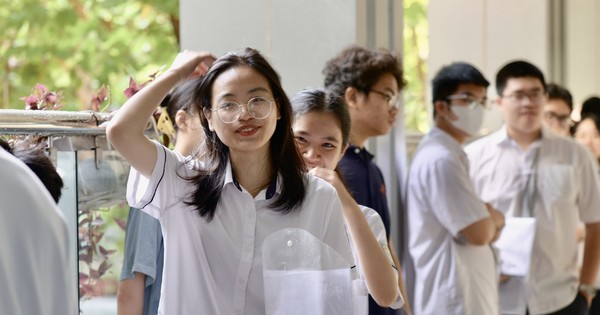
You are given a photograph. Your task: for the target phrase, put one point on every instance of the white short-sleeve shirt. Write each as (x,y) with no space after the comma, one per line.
(452,276)
(566,192)
(216,267)
(36,269)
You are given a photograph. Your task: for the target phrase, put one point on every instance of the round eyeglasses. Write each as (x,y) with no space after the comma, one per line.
(229,111)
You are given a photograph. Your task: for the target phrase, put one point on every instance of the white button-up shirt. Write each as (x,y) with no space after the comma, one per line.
(216,267)
(452,276)
(567,191)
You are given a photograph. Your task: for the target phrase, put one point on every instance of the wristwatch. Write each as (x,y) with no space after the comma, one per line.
(588,289)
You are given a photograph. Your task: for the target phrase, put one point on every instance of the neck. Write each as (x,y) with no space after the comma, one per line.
(252,171)
(357,140)
(524,139)
(447,127)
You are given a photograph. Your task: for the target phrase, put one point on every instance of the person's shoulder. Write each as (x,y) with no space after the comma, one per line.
(481,144)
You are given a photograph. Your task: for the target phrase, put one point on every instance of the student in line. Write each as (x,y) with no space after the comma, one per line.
(524,170)
(450,228)
(369,81)
(321,128)
(216,213)
(141,274)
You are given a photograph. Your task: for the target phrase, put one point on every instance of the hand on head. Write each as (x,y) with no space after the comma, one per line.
(191,64)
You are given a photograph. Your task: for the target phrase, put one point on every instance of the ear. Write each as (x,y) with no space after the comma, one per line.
(181,119)
(208,115)
(441,107)
(351,97)
(278,111)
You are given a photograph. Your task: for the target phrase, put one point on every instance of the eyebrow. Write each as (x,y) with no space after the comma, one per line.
(328,138)
(251,91)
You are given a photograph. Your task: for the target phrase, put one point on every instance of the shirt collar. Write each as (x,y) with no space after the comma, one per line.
(361,153)
(274,186)
(440,134)
(501,137)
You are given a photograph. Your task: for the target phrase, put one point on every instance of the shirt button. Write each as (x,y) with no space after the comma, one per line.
(356,150)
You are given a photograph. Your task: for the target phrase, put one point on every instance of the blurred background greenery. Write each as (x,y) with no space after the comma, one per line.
(76,46)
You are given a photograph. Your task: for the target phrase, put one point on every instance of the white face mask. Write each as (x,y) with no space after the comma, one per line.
(469,120)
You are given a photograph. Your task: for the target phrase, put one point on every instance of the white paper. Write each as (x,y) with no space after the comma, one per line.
(303,275)
(515,245)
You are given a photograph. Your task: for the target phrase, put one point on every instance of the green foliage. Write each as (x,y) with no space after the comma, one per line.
(76,46)
(416,51)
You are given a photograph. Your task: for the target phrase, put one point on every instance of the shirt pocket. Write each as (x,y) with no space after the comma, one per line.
(557,186)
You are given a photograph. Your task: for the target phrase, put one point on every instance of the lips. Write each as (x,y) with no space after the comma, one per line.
(247,130)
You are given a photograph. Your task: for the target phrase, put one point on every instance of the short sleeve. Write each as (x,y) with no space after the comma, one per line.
(454,201)
(142,245)
(166,185)
(589,197)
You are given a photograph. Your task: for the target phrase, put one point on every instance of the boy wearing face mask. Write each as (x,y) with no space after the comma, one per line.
(450,228)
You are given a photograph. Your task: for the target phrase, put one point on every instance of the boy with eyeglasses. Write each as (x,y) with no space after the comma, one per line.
(450,228)
(524,170)
(557,110)
(370,82)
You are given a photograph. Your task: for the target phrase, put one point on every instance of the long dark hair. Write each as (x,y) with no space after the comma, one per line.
(285,159)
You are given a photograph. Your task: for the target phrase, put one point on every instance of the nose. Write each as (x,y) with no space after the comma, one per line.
(244,114)
(311,154)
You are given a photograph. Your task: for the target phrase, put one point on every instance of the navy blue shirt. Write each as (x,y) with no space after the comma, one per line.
(364,181)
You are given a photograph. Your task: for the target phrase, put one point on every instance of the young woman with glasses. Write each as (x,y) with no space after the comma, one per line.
(216,213)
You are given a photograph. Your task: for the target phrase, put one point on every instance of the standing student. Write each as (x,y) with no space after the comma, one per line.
(36,270)
(141,275)
(321,128)
(450,228)
(369,82)
(524,170)
(216,213)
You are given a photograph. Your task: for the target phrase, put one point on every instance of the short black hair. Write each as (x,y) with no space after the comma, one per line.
(447,80)
(557,92)
(517,69)
(37,160)
(590,106)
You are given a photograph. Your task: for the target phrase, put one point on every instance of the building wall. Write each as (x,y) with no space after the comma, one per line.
(489,34)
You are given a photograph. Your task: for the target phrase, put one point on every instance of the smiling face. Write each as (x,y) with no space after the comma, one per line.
(319,139)
(247,134)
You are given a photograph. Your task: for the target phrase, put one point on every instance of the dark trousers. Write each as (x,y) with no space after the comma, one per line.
(595,308)
(579,306)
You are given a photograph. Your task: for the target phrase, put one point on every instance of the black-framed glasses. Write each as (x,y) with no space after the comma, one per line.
(258,107)
(471,101)
(564,120)
(391,100)
(536,96)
